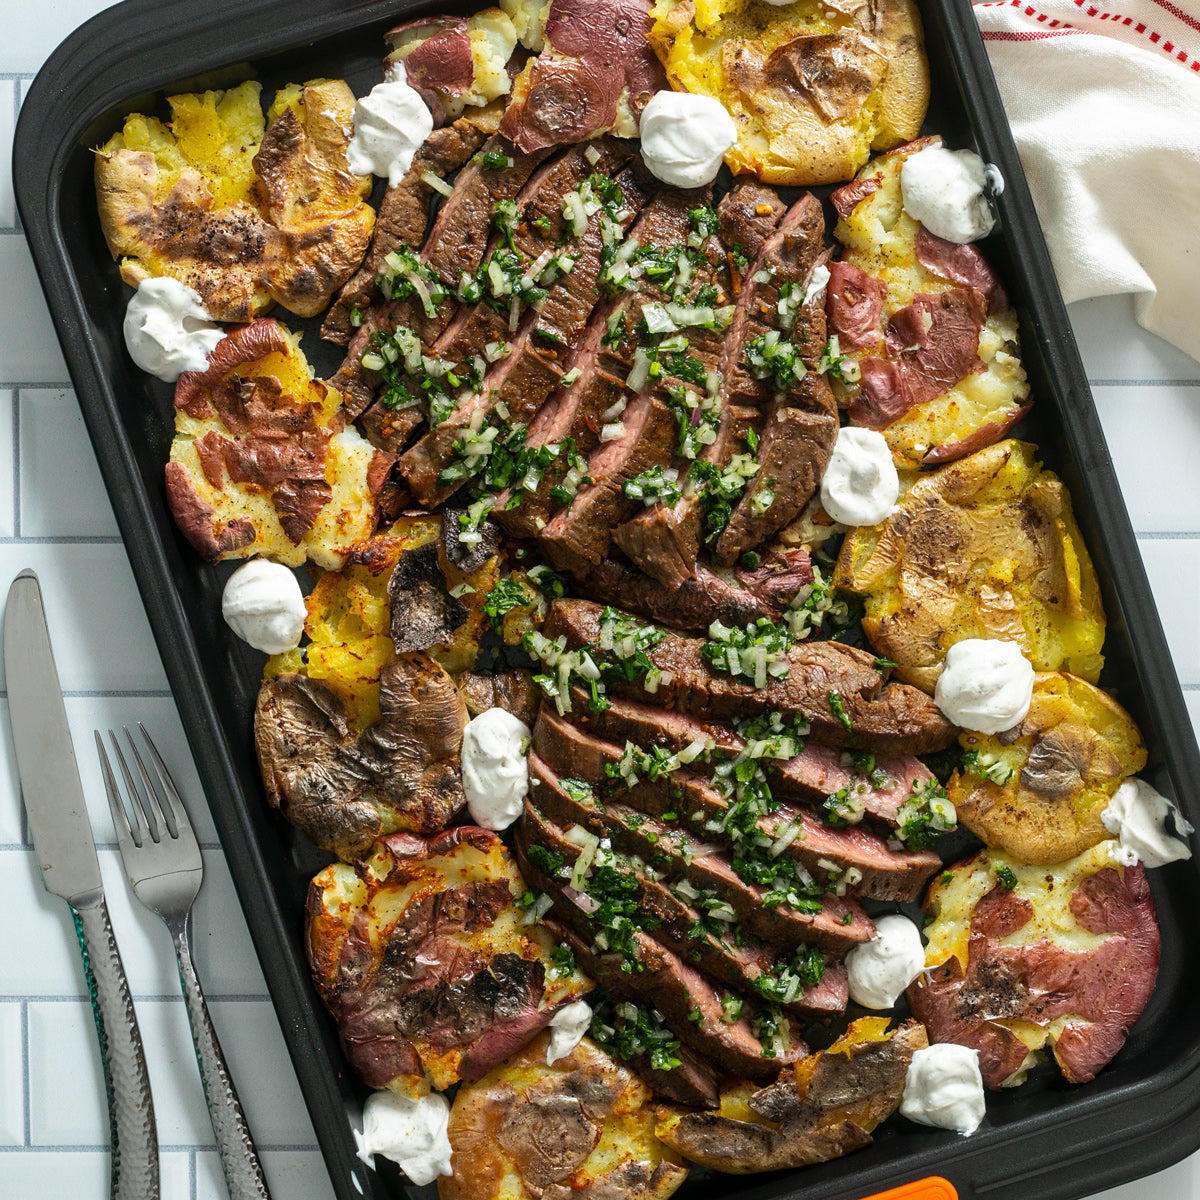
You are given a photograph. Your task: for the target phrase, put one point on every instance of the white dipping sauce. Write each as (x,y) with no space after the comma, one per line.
(390,124)
(860,486)
(495,771)
(411,1131)
(1137,815)
(684,138)
(818,281)
(168,329)
(880,970)
(263,605)
(944,1088)
(944,190)
(985,685)
(567,1028)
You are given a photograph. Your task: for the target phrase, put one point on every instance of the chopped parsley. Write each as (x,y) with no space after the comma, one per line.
(549,862)
(834,362)
(547,581)
(838,708)
(1006,878)
(924,815)
(786,984)
(770,357)
(629,1031)
(987,766)
(757,651)
(654,485)
(505,595)
(563,960)
(494,160)
(578,789)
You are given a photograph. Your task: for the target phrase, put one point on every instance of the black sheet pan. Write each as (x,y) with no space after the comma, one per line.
(1048,1139)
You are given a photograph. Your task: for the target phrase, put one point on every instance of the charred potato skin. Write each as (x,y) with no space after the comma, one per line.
(1024,959)
(1070,754)
(467,878)
(826,1107)
(987,547)
(529,1130)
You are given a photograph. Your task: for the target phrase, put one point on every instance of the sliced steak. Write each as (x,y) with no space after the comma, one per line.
(836,924)
(827,854)
(800,426)
(734,598)
(402,220)
(887,718)
(735,958)
(665,541)
(455,247)
(688,1002)
(881,784)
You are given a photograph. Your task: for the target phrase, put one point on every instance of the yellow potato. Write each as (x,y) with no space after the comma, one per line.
(527,1129)
(986,547)
(812,88)
(1071,753)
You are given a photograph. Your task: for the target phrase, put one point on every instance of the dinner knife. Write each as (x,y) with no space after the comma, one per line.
(66,852)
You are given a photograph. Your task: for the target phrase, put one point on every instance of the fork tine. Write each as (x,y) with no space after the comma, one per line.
(116,806)
(135,797)
(174,799)
(162,812)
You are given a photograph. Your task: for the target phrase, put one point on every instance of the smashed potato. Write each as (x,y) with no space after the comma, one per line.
(1040,797)
(426,963)
(1024,958)
(880,238)
(263,462)
(349,623)
(986,547)
(245,217)
(583,1125)
(813,88)
(826,1107)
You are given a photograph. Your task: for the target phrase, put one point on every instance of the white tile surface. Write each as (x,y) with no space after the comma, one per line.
(12,1075)
(1149,399)
(62,494)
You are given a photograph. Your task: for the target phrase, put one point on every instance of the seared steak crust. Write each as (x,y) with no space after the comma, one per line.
(889,718)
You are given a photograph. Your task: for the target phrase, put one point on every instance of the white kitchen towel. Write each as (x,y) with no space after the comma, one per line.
(1105,109)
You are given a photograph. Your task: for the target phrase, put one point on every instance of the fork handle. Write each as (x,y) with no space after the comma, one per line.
(239,1159)
(126,1080)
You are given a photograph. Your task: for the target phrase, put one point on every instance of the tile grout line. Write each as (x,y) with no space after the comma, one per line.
(16,452)
(26,1081)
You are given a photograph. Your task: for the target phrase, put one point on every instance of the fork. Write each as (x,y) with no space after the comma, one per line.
(162,859)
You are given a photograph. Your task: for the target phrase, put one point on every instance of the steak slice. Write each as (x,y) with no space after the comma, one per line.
(815,774)
(734,598)
(831,856)
(687,1001)
(731,957)
(886,718)
(402,220)
(581,533)
(837,924)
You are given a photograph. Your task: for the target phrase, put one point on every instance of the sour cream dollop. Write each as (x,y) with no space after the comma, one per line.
(986,685)
(1137,814)
(944,1088)
(943,189)
(684,138)
(390,123)
(860,485)
(411,1131)
(567,1028)
(168,329)
(263,605)
(880,970)
(495,771)
(818,281)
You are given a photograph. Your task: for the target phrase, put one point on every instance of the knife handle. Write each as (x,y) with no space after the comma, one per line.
(239,1159)
(126,1081)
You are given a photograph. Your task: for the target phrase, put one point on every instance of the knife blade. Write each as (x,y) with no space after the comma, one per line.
(66,852)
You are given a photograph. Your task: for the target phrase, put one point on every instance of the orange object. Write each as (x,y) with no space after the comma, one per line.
(934,1187)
